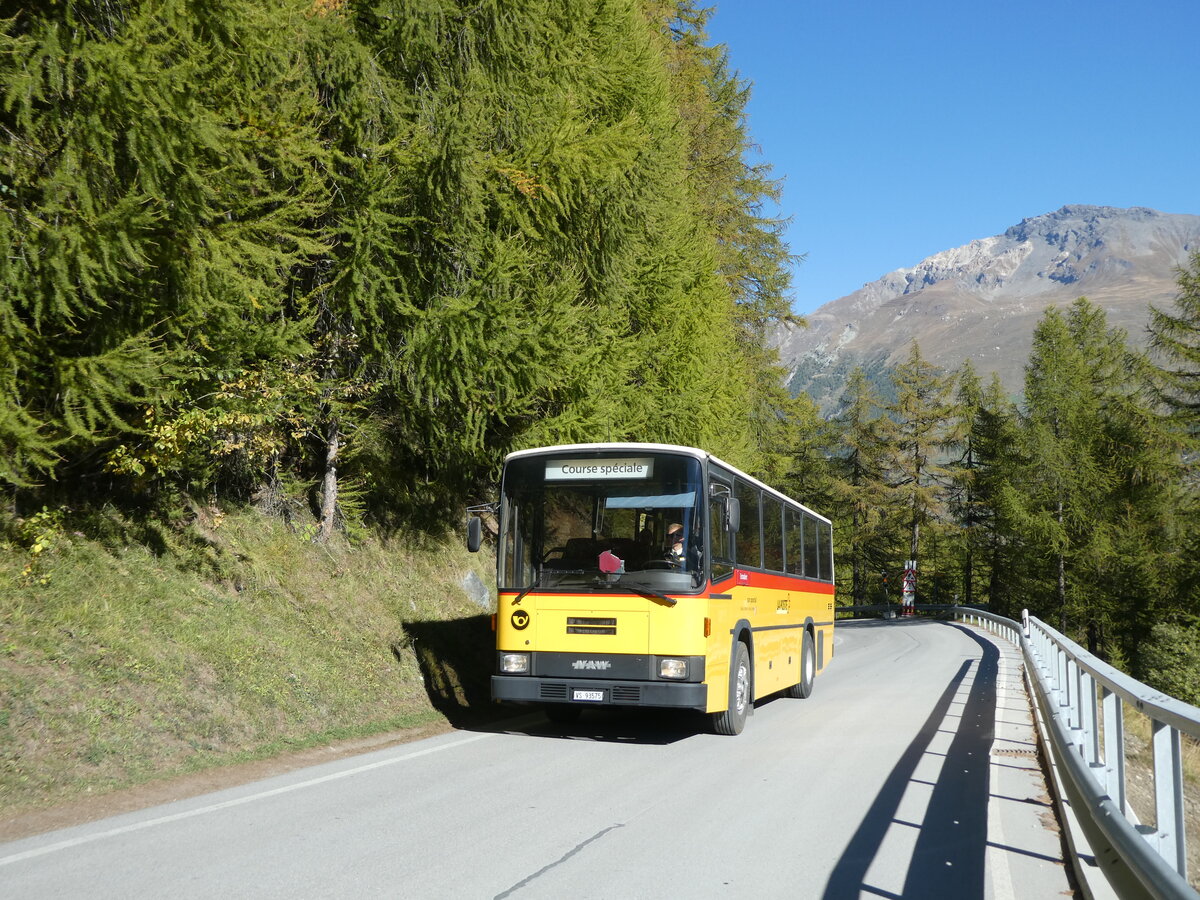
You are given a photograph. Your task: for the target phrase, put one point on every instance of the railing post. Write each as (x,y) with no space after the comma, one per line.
(1073,705)
(1090,745)
(1060,675)
(1049,662)
(1168,796)
(1114,747)
(1051,665)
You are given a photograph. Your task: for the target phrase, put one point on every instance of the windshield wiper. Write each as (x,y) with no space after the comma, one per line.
(537,582)
(647,591)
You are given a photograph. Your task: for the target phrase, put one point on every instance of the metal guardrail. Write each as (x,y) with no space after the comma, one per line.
(1085,698)
(889,610)
(1082,701)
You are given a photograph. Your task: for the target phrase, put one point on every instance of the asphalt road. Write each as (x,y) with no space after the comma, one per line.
(881,784)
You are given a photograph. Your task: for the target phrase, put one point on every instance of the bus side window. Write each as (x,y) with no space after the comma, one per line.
(811,551)
(508,548)
(827,550)
(518,546)
(748,544)
(718,535)
(772,534)
(819,531)
(792,539)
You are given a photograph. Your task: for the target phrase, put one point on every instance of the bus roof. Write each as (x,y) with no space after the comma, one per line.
(662,448)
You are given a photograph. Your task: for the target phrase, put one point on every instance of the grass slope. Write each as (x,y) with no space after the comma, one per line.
(119,665)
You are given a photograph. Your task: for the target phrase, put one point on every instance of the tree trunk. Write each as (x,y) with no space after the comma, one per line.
(1062,579)
(969,537)
(1095,639)
(329,488)
(858,582)
(969,578)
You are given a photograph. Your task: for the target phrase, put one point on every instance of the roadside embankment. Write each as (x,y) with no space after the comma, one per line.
(233,640)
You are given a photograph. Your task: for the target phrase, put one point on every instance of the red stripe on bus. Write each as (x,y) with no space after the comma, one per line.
(747,578)
(741,578)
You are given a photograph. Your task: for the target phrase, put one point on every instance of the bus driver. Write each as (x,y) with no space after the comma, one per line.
(674,544)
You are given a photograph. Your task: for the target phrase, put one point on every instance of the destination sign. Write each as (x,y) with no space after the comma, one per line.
(611,469)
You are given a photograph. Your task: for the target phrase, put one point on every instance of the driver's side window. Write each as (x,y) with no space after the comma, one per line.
(718,535)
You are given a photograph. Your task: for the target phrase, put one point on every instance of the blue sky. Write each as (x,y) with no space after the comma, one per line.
(907,128)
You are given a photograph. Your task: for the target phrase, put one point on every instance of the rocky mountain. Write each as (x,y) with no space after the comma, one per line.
(982,301)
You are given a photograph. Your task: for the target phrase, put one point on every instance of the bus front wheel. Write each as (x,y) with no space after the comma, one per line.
(733,719)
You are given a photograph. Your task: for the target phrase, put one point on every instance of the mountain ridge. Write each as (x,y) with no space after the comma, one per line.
(982,300)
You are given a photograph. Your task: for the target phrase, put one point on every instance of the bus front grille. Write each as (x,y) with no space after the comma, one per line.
(557,692)
(591,625)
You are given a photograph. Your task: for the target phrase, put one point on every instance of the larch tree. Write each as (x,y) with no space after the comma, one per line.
(997,460)
(158,176)
(861,498)
(923,413)
(349,254)
(1133,552)
(730,194)
(1077,391)
(962,471)
(1175,336)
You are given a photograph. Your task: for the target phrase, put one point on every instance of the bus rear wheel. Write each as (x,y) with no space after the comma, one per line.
(733,719)
(808,669)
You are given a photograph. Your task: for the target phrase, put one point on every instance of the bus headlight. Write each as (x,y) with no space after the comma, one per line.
(672,668)
(514,663)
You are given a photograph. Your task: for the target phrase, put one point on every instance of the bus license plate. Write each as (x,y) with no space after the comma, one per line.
(594,696)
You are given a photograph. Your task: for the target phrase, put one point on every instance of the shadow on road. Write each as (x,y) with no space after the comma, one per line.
(456,659)
(948,859)
(616,725)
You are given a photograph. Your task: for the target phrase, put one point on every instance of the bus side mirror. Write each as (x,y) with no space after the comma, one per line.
(474,533)
(733,513)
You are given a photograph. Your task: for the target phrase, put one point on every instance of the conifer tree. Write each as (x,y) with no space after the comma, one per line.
(801,462)
(523,135)
(730,195)
(996,445)
(962,471)
(359,309)
(158,176)
(1062,475)
(374,247)
(1133,553)
(1099,488)
(1175,335)
(923,413)
(862,500)
(730,192)
(565,287)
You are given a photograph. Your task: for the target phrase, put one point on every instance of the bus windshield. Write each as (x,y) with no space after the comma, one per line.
(602,521)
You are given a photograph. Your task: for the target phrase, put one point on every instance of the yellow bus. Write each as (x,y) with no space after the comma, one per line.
(655,575)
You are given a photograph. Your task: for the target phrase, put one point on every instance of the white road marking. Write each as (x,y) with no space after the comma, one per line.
(204,810)
(997,859)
